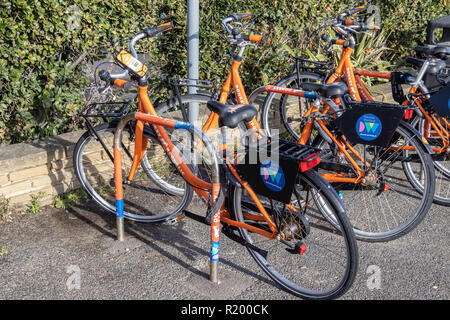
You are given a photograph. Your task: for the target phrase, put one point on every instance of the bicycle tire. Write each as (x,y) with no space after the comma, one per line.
(442,166)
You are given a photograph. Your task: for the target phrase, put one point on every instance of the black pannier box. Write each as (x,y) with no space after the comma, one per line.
(440,101)
(370,123)
(271,166)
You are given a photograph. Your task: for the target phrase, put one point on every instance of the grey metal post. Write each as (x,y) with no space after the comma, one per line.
(193,36)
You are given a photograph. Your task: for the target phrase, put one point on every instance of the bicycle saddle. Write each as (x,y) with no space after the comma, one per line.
(433,68)
(333,90)
(231,115)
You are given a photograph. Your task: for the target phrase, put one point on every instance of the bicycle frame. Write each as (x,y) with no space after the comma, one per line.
(233,80)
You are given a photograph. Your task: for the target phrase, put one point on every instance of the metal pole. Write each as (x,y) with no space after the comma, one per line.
(193,52)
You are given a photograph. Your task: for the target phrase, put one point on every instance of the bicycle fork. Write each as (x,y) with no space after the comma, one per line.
(181,166)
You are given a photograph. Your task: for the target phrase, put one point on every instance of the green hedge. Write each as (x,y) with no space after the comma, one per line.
(41,95)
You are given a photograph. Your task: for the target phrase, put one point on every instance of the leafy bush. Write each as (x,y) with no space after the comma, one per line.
(41,93)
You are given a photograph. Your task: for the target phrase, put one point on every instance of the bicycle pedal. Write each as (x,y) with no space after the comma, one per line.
(299,248)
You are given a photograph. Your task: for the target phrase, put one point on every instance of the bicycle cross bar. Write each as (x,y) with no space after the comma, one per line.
(159,124)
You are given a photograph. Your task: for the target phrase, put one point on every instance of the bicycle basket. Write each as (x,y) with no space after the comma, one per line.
(271,168)
(370,123)
(440,101)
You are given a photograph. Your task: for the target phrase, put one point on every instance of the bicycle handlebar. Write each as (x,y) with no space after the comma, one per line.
(235,34)
(241,16)
(147,33)
(350,12)
(360,25)
(153,31)
(111,79)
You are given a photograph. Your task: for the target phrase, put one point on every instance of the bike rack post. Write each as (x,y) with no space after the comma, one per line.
(215,177)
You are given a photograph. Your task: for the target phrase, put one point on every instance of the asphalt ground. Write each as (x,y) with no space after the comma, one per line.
(72,254)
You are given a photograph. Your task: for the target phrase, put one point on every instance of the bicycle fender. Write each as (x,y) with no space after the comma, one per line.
(325,186)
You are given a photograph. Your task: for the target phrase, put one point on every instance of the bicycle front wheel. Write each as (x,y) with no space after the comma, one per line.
(311,258)
(156,193)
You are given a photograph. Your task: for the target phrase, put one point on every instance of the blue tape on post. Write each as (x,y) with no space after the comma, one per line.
(119,208)
(215,251)
(183,125)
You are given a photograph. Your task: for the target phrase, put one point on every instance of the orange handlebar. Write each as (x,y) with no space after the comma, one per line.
(253,37)
(119,82)
(256,38)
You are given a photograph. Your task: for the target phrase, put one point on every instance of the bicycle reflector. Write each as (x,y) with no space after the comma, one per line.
(440,101)
(310,162)
(270,166)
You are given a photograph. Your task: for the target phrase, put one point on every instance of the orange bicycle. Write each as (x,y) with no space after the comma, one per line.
(374,182)
(365,177)
(300,251)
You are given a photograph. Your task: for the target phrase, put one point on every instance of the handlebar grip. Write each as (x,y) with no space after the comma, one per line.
(105,76)
(120,83)
(254,38)
(341,42)
(153,31)
(421,49)
(349,22)
(415,61)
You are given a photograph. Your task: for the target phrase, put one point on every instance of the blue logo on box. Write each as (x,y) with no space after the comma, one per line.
(368,127)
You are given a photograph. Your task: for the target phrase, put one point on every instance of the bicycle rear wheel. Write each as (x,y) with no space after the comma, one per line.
(396,193)
(170,194)
(328,267)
